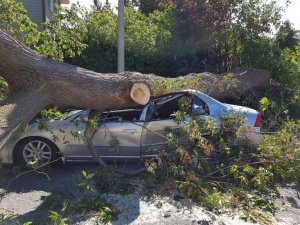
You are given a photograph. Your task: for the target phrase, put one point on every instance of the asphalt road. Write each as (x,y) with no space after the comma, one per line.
(23,201)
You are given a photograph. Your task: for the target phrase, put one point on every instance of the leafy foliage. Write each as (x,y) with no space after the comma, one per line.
(84,182)
(287,36)
(107,181)
(52,114)
(62,38)
(280,152)
(146,38)
(105,211)
(89,202)
(218,168)
(166,86)
(57,219)
(15,21)
(214,166)
(264,53)
(3,89)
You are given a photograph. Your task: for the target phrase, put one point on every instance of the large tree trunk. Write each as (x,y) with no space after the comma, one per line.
(36,82)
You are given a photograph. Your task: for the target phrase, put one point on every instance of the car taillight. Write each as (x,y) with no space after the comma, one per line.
(258,120)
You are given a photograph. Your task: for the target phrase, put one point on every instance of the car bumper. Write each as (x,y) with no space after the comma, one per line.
(253,136)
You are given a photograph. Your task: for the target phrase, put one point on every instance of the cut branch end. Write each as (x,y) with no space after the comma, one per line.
(140,93)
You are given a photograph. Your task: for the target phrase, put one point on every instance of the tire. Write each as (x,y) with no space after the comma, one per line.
(35,149)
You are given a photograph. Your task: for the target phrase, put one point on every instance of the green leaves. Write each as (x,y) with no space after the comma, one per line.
(3,89)
(219,170)
(15,21)
(63,37)
(264,104)
(84,182)
(147,37)
(64,210)
(53,114)
(105,211)
(108,182)
(280,152)
(106,214)
(57,219)
(28,223)
(114,144)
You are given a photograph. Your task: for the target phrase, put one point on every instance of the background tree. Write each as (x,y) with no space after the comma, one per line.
(225,25)
(146,41)
(15,21)
(167,37)
(287,36)
(63,37)
(147,7)
(100,6)
(208,35)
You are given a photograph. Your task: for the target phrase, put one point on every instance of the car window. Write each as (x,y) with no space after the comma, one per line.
(166,107)
(199,107)
(121,115)
(73,112)
(83,116)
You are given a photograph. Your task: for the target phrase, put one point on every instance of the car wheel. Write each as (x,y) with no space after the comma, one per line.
(38,150)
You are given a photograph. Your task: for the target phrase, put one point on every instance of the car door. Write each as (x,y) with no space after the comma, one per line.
(154,136)
(119,137)
(73,136)
(161,119)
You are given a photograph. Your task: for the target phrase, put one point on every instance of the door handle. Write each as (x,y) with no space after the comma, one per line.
(129,131)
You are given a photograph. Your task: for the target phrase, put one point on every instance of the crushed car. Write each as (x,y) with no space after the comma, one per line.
(139,132)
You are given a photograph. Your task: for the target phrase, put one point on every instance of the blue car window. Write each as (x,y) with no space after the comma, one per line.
(199,107)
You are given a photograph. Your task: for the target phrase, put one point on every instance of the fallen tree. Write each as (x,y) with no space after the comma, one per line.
(36,82)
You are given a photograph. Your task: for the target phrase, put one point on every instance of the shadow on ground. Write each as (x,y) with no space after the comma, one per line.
(289,204)
(23,197)
(23,200)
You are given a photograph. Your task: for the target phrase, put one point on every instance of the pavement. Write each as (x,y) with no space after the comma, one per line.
(22,200)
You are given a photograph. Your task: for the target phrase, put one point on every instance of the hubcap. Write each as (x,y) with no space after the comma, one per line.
(37,150)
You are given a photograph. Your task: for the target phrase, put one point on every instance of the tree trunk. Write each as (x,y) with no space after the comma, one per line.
(36,82)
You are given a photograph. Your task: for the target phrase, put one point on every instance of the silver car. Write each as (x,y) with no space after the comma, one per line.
(133,133)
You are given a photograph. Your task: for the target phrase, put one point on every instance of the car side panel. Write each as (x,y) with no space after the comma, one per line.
(74,140)
(118,139)
(154,136)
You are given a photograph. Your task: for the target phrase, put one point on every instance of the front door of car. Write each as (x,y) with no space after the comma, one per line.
(161,122)
(154,136)
(118,139)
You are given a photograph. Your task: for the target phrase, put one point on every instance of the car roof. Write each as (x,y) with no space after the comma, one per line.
(174,93)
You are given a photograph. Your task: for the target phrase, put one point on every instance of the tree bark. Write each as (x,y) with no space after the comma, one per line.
(36,82)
